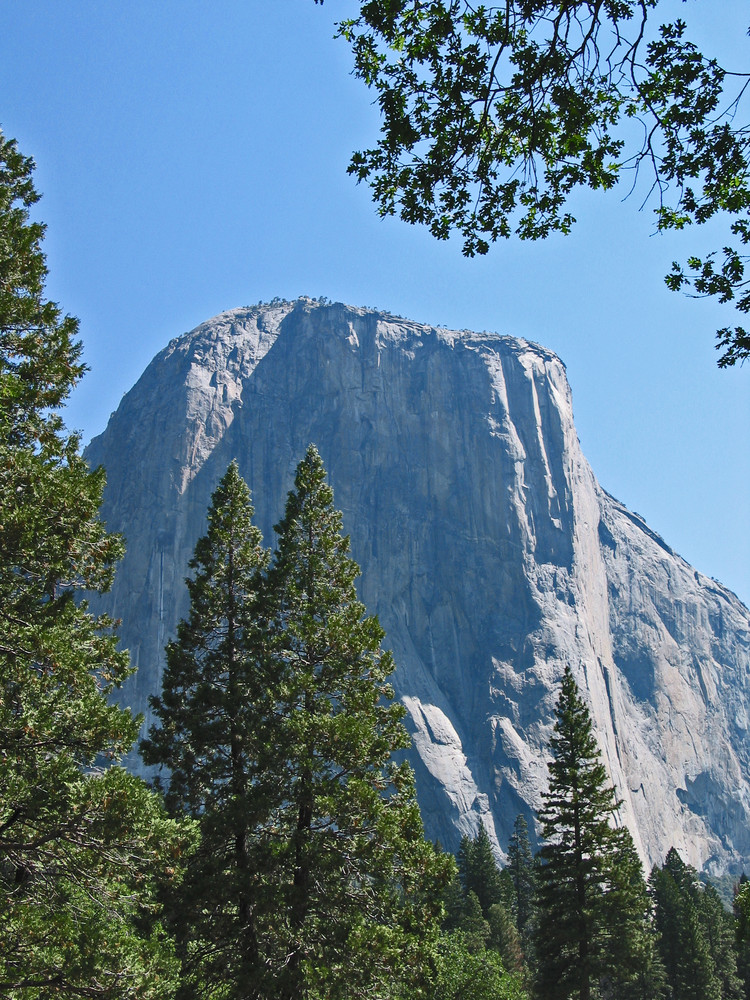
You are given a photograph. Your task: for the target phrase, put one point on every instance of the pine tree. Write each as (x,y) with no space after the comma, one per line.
(504,938)
(719,930)
(313,877)
(479,905)
(82,842)
(212,714)
(453,904)
(522,870)
(696,940)
(634,968)
(741,909)
(361,887)
(479,871)
(471,923)
(586,896)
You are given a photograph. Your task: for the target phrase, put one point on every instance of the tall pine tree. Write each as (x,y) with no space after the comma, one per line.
(696,938)
(634,970)
(213,714)
(522,870)
(360,886)
(478,903)
(277,725)
(741,908)
(720,931)
(591,890)
(479,871)
(82,842)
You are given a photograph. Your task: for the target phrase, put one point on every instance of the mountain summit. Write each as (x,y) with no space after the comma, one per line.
(489,551)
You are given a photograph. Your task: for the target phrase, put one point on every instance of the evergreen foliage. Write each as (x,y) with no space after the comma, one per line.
(629,940)
(213,713)
(504,939)
(469,920)
(741,909)
(277,721)
(454,904)
(478,904)
(362,887)
(83,843)
(593,925)
(522,870)
(696,934)
(479,871)
(719,929)
(277,725)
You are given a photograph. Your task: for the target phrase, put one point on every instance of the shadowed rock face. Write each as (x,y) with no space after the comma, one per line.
(488,550)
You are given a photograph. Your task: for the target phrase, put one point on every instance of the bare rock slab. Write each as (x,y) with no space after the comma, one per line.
(489,551)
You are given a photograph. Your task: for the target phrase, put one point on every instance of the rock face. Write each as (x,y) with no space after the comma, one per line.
(488,550)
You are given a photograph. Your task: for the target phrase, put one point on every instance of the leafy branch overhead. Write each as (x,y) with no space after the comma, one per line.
(492,116)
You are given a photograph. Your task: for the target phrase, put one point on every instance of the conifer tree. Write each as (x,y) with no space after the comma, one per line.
(82,842)
(522,870)
(463,860)
(213,715)
(586,896)
(454,902)
(479,871)
(470,922)
(479,903)
(504,938)
(741,909)
(719,930)
(361,888)
(313,878)
(634,968)
(695,934)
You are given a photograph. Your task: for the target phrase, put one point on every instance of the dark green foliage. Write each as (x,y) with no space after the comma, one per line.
(469,920)
(504,939)
(362,888)
(696,934)
(213,713)
(522,870)
(719,930)
(593,925)
(479,871)
(82,843)
(454,904)
(741,909)
(277,722)
(40,359)
(478,904)
(682,945)
(493,115)
(633,967)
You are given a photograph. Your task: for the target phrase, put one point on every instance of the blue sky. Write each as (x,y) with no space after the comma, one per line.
(193,158)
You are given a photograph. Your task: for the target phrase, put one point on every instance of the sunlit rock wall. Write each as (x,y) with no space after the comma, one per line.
(488,550)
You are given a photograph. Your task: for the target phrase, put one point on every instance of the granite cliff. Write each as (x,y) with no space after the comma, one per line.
(487,547)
